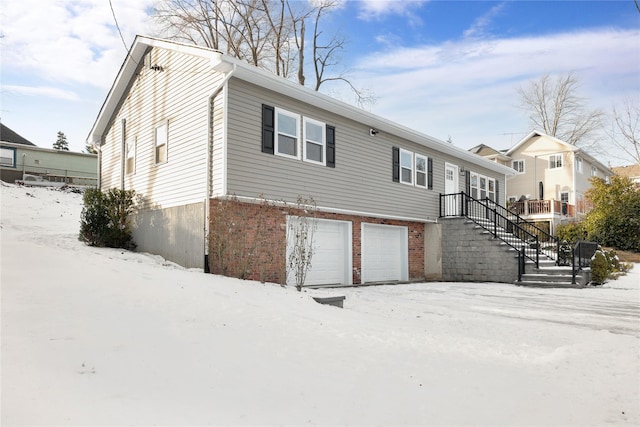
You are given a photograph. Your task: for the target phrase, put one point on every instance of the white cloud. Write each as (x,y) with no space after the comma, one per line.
(377,9)
(43,91)
(69,41)
(467,88)
(480,25)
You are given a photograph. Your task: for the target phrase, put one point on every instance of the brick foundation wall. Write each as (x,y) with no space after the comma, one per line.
(261,229)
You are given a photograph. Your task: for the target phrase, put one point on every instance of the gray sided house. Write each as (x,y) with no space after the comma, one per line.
(189,128)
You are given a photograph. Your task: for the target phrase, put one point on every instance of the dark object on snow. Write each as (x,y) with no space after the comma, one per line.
(335,301)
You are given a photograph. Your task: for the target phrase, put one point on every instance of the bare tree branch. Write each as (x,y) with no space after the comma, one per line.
(625,129)
(262,33)
(555,107)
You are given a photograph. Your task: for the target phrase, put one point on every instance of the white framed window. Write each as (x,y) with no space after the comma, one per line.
(162,141)
(555,161)
(8,157)
(483,186)
(594,171)
(564,196)
(406,167)
(473,184)
(421,170)
(518,165)
(130,147)
(491,189)
(579,164)
(314,141)
(287,132)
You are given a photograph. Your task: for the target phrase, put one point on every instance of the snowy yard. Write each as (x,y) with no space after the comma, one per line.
(95,336)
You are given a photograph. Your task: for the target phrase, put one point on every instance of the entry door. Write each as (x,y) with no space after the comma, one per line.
(451,187)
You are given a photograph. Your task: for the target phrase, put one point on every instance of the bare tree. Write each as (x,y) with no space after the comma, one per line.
(262,33)
(301,235)
(625,129)
(555,107)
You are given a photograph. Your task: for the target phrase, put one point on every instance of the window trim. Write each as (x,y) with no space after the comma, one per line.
(579,164)
(131,141)
(568,193)
(417,156)
(556,161)
(13,158)
(489,192)
(156,146)
(411,169)
(519,161)
(276,133)
(594,171)
(479,190)
(322,144)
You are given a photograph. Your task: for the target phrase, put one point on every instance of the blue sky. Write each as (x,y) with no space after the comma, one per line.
(450,69)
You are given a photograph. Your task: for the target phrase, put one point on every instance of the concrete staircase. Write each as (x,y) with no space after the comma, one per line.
(548,274)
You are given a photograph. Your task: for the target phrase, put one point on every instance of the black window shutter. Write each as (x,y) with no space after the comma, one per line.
(467,182)
(396,164)
(497,193)
(331,146)
(430,173)
(268,128)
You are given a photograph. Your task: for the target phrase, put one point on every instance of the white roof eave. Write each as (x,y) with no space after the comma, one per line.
(252,74)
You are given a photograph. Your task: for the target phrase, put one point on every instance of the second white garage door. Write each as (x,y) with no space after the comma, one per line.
(331,261)
(385,251)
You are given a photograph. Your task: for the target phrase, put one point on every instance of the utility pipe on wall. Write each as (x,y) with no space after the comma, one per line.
(209,180)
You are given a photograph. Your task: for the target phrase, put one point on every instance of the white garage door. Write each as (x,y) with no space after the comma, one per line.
(385,251)
(331,260)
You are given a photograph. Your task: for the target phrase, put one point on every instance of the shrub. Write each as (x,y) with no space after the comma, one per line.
(615,218)
(104,219)
(564,253)
(605,264)
(571,232)
(600,268)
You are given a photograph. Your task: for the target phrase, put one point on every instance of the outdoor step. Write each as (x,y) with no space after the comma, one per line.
(541,284)
(539,277)
(551,269)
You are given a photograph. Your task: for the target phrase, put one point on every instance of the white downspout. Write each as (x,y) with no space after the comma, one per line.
(209,182)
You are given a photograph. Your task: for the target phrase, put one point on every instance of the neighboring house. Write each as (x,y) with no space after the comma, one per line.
(21,160)
(491,154)
(630,171)
(551,178)
(186,127)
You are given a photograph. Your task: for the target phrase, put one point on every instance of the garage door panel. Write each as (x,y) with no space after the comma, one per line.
(331,260)
(384,253)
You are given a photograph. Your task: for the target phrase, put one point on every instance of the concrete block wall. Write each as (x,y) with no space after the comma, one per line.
(469,255)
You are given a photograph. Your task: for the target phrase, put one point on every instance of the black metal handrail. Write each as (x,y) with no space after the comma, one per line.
(583,251)
(520,220)
(486,215)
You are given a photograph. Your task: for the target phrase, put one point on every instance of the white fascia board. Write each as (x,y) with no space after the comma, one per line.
(127,73)
(255,75)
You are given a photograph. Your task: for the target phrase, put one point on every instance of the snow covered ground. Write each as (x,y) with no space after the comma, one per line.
(95,336)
